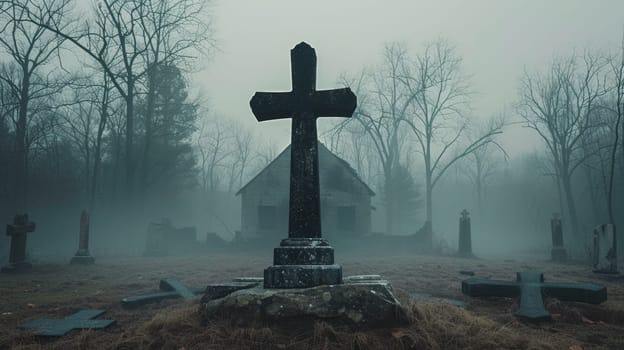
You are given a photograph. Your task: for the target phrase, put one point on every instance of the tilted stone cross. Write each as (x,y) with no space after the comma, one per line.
(18,232)
(171,288)
(304,259)
(58,327)
(531,288)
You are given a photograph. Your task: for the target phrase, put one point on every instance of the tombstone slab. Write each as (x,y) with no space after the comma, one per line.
(82,256)
(465,235)
(59,327)
(304,259)
(605,249)
(531,288)
(558,252)
(18,231)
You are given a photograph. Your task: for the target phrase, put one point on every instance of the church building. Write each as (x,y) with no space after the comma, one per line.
(345,199)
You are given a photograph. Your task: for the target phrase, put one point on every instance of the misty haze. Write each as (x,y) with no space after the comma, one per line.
(464,159)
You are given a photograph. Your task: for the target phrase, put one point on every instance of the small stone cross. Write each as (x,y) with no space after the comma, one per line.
(58,327)
(465,214)
(18,232)
(531,288)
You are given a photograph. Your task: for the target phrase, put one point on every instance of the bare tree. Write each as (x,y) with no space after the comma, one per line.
(559,106)
(214,147)
(481,165)
(617,74)
(438,114)
(30,47)
(382,105)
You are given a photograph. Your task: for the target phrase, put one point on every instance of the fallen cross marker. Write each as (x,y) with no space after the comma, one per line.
(171,287)
(58,327)
(531,288)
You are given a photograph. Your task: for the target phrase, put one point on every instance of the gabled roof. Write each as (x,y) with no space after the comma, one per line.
(343,162)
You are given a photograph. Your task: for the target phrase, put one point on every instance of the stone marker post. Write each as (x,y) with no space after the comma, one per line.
(304,259)
(558,252)
(465,235)
(83,256)
(605,249)
(18,231)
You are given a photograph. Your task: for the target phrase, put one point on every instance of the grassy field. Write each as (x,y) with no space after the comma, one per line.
(56,291)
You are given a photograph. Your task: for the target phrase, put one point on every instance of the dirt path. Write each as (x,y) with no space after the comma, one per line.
(55,291)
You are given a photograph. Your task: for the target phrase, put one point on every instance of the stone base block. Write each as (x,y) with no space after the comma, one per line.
(303,256)
(82,260)
(558,254)
(301,276)
(365,303)
(17,267)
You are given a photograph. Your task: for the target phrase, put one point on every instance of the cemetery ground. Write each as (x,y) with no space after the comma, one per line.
(59,290)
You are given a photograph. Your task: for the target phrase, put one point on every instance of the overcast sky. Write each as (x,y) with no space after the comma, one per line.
(497,39)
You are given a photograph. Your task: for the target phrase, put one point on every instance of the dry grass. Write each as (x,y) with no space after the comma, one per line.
(57,291)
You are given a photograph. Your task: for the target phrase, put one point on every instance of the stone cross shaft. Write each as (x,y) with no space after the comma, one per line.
(303,104)
(531,288)
(18,232)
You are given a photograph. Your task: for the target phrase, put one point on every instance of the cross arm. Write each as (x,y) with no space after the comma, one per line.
(334,103)
(581,292)
(475,287)
(272,105)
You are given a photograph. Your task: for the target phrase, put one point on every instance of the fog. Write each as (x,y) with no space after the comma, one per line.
(193,143)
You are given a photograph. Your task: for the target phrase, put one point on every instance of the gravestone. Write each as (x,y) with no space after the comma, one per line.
(558,252)
(465,235)
(304,259)
(58,327)
(605,249)
(531,288)
(18,232)
(156,243)
(82,256)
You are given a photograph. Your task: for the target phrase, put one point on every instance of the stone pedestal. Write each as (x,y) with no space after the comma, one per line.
(361,302)
(302,263)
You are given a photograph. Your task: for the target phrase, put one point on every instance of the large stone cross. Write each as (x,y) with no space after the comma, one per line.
(303,104)
(530,286)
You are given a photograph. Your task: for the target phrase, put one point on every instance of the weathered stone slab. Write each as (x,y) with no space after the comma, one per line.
(352,305)
(216,291)
(58,327)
